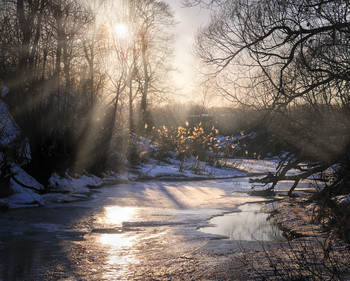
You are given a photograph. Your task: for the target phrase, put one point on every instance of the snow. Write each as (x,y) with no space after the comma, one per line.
(255,166)
(193,169)
(9,130)
(26,179)
(4,91)
(67,188)
(63,189)
(295,216)
(23,197)
(157,171)
(252,166)
(342,199)
(112,177)
(185,170)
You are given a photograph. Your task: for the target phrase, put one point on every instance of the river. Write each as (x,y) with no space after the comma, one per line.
(137,231)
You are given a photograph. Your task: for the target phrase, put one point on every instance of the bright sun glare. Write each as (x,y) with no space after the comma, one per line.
(117,215)
(121,30)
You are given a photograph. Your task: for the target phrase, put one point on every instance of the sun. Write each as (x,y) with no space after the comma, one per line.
(121,31)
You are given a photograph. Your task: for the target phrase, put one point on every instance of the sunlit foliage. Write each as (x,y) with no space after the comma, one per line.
(190,143)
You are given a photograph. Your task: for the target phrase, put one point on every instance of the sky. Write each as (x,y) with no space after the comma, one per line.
(189,20)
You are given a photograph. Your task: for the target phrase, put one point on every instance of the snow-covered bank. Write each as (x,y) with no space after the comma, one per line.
(68,187)
(301,217)
(186,170)
(27,192)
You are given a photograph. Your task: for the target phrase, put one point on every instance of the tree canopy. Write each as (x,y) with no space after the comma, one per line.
(290,59)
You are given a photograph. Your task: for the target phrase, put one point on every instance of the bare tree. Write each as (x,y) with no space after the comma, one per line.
(151,24)
(43,64)
(69,77)
(288,58)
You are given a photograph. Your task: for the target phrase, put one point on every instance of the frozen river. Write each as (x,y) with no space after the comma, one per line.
(140,231)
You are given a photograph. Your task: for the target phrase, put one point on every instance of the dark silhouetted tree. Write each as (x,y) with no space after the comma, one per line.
(290,59)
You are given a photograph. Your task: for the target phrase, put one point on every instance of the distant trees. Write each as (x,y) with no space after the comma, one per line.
(151,43)
(290,59)
(142,59)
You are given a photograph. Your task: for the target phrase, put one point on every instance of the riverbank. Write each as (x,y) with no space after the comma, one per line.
(71,187)
(312,252)
(128,231)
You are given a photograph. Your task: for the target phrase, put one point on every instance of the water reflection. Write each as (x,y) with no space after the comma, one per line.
(248,225)
(120,252)
(119,255)
(117,215)
(117,241)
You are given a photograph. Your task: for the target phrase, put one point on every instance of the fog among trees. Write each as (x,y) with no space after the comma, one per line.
(288,59)
(89,110)
(81,76)
(85,79)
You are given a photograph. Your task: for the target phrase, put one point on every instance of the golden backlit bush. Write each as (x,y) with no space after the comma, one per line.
(188,142)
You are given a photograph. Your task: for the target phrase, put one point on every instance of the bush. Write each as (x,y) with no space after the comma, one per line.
(188,142)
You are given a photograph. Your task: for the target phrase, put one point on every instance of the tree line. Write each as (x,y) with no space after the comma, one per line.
(78,89)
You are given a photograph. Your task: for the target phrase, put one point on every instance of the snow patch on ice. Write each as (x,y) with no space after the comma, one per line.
(185,170)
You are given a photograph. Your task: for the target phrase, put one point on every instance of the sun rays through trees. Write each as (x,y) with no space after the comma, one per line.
(79,75)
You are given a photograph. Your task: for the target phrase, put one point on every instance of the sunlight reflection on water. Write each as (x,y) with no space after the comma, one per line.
(117,241)
(117,215)
(120,246)
(250,224)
